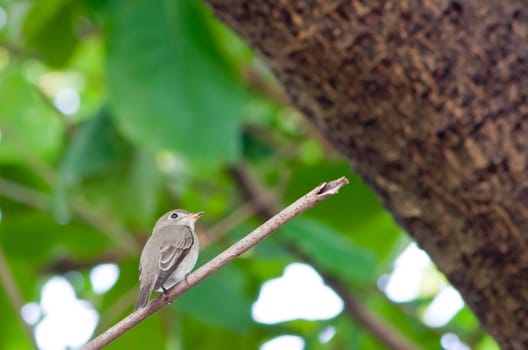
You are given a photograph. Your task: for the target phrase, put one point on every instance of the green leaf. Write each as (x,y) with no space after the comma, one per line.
(330,250)
(171,87)
(97,149)
(50,30)
(94,148)
(219,300)
(30,129)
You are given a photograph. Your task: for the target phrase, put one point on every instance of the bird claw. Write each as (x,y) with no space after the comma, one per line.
(164,295)
(165,291)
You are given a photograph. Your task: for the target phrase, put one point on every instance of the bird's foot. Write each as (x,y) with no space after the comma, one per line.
(165,296)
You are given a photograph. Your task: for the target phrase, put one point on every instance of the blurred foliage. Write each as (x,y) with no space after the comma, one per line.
(170,101)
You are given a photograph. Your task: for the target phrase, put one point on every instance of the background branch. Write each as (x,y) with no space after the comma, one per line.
(307,201)
(232,220)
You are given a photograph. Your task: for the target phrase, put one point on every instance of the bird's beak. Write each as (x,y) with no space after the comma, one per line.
(197,215)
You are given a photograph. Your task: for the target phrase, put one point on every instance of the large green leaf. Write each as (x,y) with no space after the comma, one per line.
(330,250)
(171,86)
(99,161)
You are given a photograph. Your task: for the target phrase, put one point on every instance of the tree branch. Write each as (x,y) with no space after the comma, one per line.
(266,207)
(318,194)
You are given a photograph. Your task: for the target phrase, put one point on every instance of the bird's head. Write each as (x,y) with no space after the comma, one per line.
(177,217)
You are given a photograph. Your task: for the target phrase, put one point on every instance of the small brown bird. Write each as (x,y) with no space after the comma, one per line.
(169,254)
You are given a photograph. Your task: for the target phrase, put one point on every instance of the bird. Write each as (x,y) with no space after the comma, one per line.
(169,254)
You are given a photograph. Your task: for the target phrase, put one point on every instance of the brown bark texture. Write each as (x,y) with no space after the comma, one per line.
(428,101)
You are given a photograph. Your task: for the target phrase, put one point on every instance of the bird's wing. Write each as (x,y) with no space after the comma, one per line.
(173,252)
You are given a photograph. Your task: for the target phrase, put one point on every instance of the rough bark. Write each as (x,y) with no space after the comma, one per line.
(428,101)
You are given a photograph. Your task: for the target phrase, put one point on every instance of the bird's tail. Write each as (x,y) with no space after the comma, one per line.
(143,297)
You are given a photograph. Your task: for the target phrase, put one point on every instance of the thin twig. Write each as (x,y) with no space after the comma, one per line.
(234,219)
(23,194)
(318,194)
(14,295)
(253,192)
(384,332)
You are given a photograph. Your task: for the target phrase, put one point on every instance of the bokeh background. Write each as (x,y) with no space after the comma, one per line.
(113,112)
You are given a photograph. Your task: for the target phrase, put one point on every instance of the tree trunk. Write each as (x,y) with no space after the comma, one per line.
(428,101)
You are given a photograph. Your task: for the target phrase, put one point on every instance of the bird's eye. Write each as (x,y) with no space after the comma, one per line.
(174,216)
